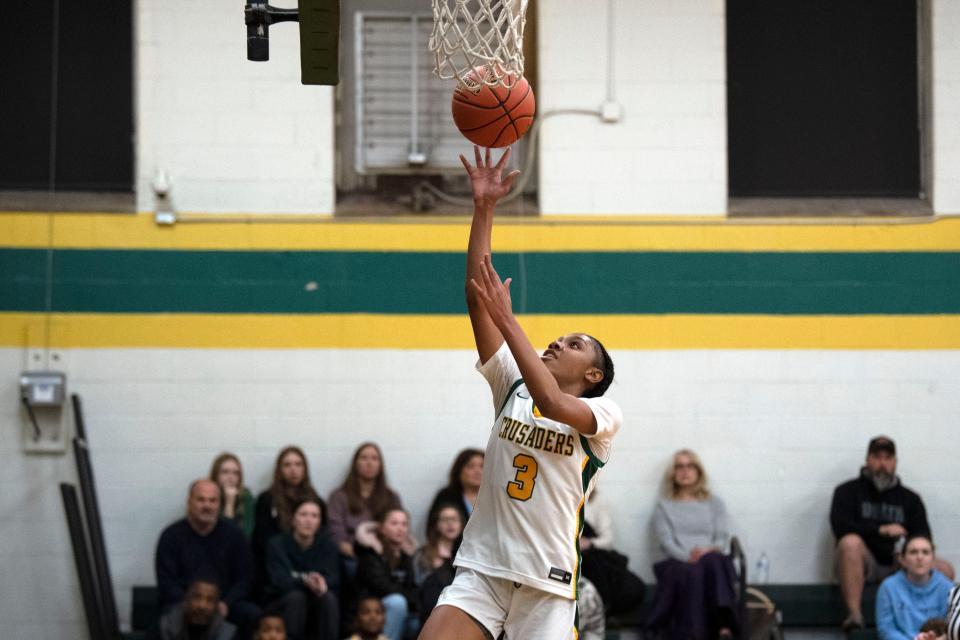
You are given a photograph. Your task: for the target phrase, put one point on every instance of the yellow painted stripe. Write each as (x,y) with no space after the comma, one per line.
(138,231)
(368,331)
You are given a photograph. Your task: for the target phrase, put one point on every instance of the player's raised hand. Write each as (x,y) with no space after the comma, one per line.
(487,179)
(493,293)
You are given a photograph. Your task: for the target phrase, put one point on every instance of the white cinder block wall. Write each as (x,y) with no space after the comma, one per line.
(668,153)
(234,135)
(777,430)
(39,589)
(237,136)
(945,183)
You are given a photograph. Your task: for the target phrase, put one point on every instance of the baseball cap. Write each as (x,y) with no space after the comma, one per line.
(882,443)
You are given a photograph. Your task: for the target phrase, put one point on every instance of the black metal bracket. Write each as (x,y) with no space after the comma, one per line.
(33,417)
(258,17)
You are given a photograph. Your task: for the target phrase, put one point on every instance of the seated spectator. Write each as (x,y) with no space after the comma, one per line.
(363,494)
(620,589)
(304,570)
(385,570)
(597,524)
(695,595)
(236,502)
(274,512)
(271,627)
(869,515)
(912,595)
(444,527)
(370,620)
(433,562)
(203,545)
(197,617)
(463,483)
(433,585)
(592,619)
(953,614)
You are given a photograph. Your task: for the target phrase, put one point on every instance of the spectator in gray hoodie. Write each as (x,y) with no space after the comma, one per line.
(197,617)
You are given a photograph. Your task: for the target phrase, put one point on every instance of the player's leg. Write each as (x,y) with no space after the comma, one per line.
(538,615)
(447,622)
(473,608)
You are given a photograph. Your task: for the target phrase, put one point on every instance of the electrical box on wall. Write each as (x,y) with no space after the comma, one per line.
(43,388)
(42,395)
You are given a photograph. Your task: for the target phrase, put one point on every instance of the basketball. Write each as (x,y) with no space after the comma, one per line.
(494,116)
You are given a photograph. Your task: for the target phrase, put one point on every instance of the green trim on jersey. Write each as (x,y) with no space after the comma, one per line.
(592,469)
(506,398)
(576,574)
(593,458)
(589,471)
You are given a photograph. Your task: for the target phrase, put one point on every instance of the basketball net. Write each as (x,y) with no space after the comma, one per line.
(471,35)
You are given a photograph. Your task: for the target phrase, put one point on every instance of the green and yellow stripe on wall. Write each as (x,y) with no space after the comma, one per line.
(114,280)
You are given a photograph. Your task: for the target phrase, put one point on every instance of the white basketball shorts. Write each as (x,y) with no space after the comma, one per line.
(520,611)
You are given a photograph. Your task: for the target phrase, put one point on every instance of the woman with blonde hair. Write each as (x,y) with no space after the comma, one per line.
(695,598)
(236,502)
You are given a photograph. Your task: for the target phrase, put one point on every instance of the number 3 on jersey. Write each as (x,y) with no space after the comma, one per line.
(521,487)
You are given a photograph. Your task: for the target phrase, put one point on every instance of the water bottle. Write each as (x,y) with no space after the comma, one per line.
(763,569)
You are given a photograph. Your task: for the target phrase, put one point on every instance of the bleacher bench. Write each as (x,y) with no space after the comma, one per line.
(802,605)
(809,606)
(144,612)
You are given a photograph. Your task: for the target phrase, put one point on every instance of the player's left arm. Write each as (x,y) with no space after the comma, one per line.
(553,402)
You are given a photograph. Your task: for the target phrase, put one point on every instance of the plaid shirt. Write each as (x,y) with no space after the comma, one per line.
(593,621)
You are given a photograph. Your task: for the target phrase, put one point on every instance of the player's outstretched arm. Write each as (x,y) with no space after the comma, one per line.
(489,185)
(553,402)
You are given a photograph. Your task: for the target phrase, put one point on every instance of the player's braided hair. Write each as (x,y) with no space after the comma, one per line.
(605,364)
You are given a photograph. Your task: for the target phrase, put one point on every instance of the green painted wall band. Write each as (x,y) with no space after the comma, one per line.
(308,282)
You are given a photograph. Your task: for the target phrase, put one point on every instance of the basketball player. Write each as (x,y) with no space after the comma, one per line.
(518,566)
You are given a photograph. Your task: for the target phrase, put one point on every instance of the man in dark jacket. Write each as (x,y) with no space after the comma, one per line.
(203,545)
(869,516)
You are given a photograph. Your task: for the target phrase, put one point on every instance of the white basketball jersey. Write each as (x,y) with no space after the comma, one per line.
(537,473)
